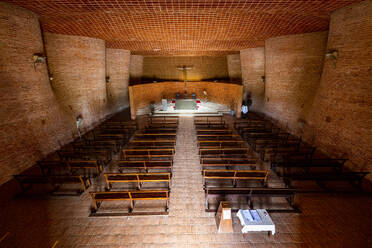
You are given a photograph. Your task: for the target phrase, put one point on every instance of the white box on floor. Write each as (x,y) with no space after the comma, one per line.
(251,224)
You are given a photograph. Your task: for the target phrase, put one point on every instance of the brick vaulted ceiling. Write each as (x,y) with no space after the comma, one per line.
(183,27)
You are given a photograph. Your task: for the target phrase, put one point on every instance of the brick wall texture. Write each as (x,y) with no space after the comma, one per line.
(117,68)
(204,68)
(31,120)
(341,118)
(135,68)
(293,69)
(253,68)
(234,67)
(328,102)
(38,115)
(78,68)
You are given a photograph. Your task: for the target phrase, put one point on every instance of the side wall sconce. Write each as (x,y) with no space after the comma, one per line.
(38,58)
(331,54)
(79,122)
(263,79)
(107,79)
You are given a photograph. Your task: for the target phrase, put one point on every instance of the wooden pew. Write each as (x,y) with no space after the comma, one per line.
(53,167)
(306,152)
(220,152)
(201,137)
(307,165)
(268,153)
(84,165)
(162,125)
(214,131)
(147,153)
(249,193)
(354,178)
(159,131)
(145,165)
(152,143)
(163,120)
(151,136)
(123,125)
(200,120)
(103,156)
(235,175)
(210,126)
(221,143)
(138,178)
(112,144)
(27,181)
(132,196)
(228,162)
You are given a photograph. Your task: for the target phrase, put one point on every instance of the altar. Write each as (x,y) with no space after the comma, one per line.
(185,104)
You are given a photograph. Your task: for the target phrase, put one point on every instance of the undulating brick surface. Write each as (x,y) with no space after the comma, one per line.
(117,68)
(204,68)
(32,123)
(184,27)
(38,115)
(135,68)
(293,68)
(142,95)
(234,67)
(77,65)
(340,121)
(253,69)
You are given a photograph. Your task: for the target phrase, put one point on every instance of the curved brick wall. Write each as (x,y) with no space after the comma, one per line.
(78,68)
(143,94)
(32,123)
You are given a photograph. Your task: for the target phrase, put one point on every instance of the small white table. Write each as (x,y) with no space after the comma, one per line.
(266,224)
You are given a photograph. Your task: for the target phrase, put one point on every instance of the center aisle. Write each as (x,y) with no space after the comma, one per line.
(196,228)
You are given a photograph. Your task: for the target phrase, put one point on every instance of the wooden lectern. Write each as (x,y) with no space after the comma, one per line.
(223,218)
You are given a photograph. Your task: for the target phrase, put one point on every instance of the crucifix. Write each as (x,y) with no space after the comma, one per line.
(184,69)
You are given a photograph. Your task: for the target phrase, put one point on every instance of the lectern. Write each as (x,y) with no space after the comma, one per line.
(223,218)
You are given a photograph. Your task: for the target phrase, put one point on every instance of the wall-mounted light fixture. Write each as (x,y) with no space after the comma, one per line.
(263,79)
(38,58)
(79,122)
(107,79)
(331,54)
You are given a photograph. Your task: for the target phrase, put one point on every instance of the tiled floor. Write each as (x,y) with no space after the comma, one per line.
(326,220)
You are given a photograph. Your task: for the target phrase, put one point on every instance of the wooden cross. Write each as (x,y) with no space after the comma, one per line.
(184,69)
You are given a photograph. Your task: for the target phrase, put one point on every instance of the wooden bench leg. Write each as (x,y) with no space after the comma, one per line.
(167,206)
(132,204)
(95,207)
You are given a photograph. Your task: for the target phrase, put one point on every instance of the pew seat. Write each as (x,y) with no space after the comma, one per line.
(249,193)
(145,165)
(148,153)
(138,178)
(132,196)
(27,181)
(354,178)
(235,176)
(228,162)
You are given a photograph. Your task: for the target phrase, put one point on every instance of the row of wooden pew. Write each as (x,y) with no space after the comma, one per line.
(290,157)
(146,159)
(229,166)
(79,161)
